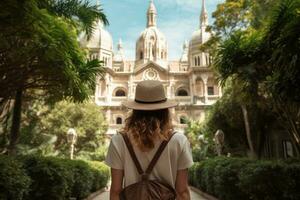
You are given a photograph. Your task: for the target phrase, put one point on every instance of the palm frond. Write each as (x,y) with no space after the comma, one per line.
(80,11)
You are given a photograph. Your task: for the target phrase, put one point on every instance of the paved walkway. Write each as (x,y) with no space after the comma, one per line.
(105,196)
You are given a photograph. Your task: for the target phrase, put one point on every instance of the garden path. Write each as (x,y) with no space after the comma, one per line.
(105,196)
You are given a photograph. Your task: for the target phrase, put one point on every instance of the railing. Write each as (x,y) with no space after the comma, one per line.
(211,99)
(183,100)
(115,101)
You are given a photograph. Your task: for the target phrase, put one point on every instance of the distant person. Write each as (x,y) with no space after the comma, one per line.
(147,129)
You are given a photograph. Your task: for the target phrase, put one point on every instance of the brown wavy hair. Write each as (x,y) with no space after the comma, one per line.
(145,127)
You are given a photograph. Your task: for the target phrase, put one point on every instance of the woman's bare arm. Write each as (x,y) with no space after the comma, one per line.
(116,183)
(181,185)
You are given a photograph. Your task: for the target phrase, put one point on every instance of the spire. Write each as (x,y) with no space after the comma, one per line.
(203,16)
(119,56)
(151,15)
(120,45)
(184,55)
(185,45)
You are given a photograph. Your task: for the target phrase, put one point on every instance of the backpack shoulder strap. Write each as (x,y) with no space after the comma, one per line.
(132,154)
(158,154)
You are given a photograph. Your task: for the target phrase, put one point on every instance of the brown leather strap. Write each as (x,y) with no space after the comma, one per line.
(132,154)
(157,155)
(153,161)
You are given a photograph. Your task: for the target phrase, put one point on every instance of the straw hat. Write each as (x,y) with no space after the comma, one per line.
(150,95)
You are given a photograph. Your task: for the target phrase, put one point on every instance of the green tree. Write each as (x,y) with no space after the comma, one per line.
(201,140)
(233,18)
(85,118)
(269,59)
(40,55)
(44,129)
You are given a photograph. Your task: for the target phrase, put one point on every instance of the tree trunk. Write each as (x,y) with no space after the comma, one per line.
(16,121)
(248,132)
(289,117)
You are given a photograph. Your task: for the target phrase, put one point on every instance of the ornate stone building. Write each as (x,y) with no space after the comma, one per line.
(188,80)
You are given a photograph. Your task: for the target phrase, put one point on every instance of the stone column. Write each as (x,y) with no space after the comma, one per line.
(99,88)
(108,89)
(220,91)
(173,90)
(205,79)
(193,92)
(108,116)
(130,87)
(169,93)
(133,90)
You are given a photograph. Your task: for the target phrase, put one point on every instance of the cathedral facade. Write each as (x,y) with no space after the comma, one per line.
(188,80)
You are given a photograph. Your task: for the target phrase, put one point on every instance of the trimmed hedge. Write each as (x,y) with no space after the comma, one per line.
(237,178)
(14,182)
(50,178)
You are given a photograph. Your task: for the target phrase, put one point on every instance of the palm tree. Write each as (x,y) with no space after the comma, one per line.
(46,59)
(283,84)
(79,12)
(235,62)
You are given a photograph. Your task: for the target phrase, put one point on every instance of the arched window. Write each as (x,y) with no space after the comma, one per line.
(210,90)
(198,60)
(183,120)
(119,120)
(195,61)
(120,93)
(141,55)
(162,55)
(182,93)
(207,60)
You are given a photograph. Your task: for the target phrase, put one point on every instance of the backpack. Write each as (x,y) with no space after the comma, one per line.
(147,189)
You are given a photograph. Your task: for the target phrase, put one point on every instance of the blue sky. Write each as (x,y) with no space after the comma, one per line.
(177,19)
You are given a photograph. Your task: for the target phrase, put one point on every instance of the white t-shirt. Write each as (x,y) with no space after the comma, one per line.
(176,156)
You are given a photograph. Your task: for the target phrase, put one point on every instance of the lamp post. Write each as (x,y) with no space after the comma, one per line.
(72,137)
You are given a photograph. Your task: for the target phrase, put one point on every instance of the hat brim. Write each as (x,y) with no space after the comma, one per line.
(149,106)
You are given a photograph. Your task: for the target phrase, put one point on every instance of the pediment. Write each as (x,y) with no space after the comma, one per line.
(148,65)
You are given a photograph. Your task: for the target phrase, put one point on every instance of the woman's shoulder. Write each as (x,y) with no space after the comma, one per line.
(178,139)
(116,137)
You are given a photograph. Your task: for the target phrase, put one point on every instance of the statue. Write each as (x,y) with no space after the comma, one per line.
(219,141)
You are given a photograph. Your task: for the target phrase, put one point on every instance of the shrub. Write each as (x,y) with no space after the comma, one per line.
(101,175)
(192,174)
(14,183)
(226,179)
(83,179)
(208,175)
(262,180)
(292,183)
(50,177)
(238,178)
(58,179)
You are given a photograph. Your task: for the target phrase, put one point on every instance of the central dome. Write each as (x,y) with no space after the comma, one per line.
(151,44)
